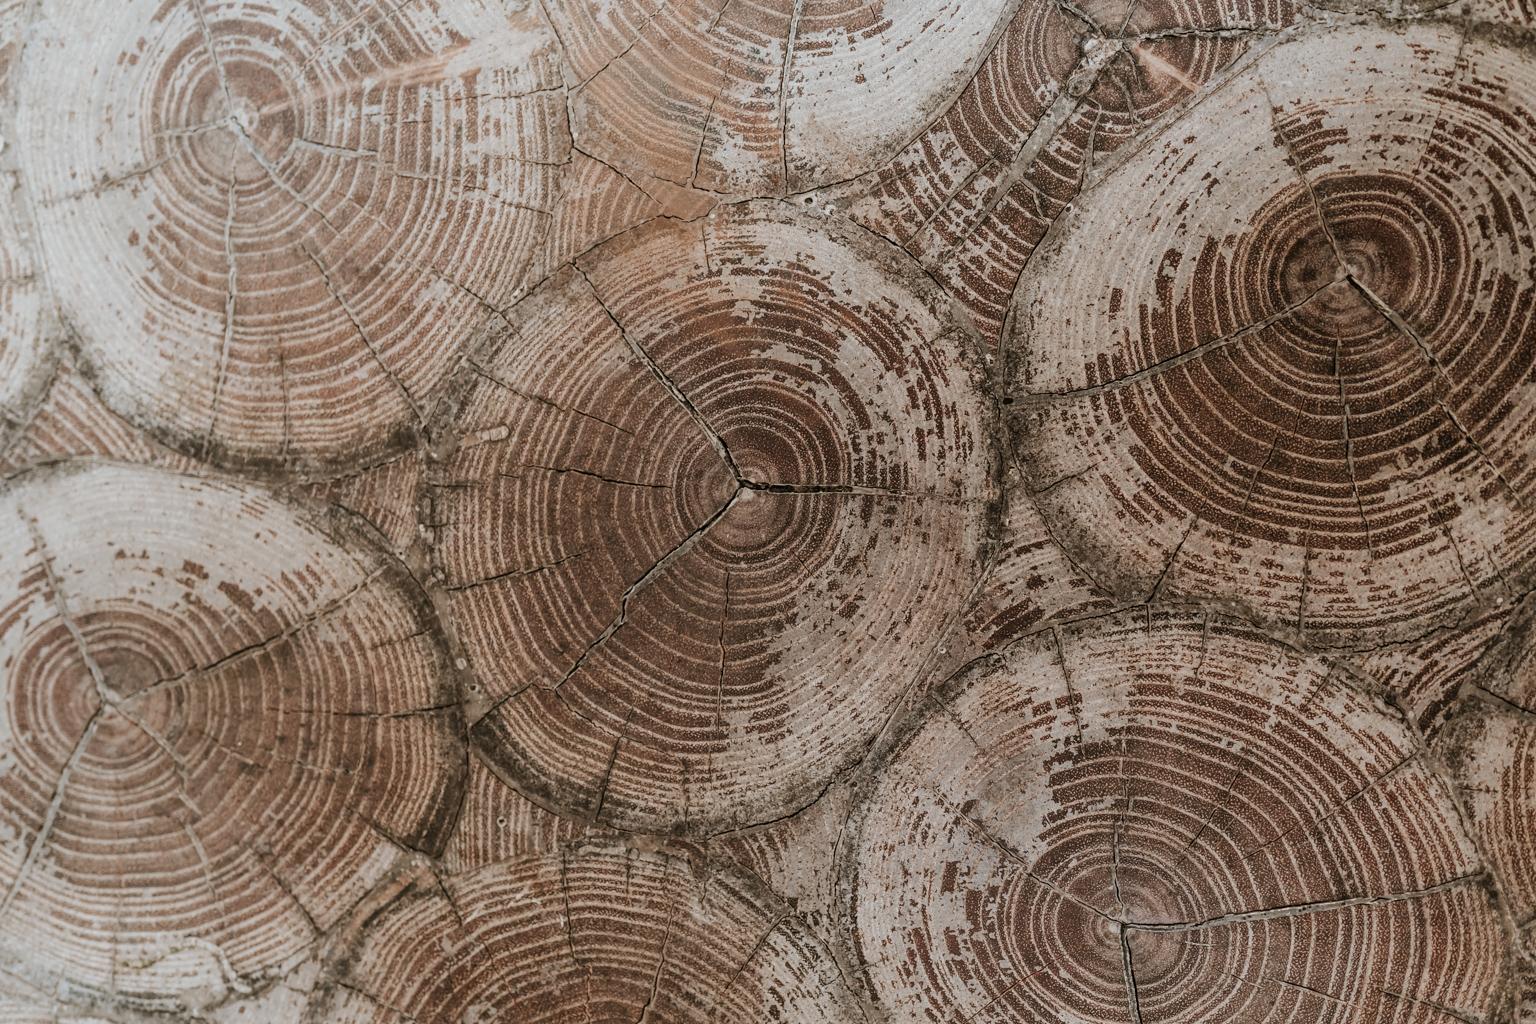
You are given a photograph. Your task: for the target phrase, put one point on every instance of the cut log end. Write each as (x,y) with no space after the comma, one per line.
(713,500)
(224,719)
(1159,817)
(274,229)
(1275,358)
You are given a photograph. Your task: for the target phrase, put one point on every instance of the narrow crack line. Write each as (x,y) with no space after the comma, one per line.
(1349,449)
(757,947)
(1069,477)
(1306,582)
(178,766)
(576,148)
(789,55)
(496,311)
(110,182)
(613,759)
(1066,674)
(1013,855)
(231,282)
(334,150)
(1072,10)
(1502,702)
(263,859)
(51,815)
(1455,1015)
(936,701)
(1281,913)
(1442,101)
(562,470)
(630,592)
(1172,362)
(205,864)
(373,349)
(516,573)
(1210,815)
(1172,558)
(1461,563)
(1302,827)
(709,115)
(941,206)
(372,824)
(105,695)
(282,184)
(416,712)
(1126,96)
(265,644)
(1114,838)
(661,965)
(570,930)
(634,41)
(1130,12)
(666,381)
(1210,32)
(715,21)
(1253,482)
(213,55)
(725,614)
(1301,176)
(285,388)
(1005,991)
(1402,326)
(853,489)
(1319,993)
(1129,963)
(480,371)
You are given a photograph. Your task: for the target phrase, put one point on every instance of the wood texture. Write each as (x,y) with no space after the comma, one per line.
(215,741)
(745,511)
(692,608)
(274,231)
(1319,370)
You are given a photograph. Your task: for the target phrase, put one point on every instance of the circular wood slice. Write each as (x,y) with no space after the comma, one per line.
(274,227)
(764,96)
(598,931)
(1159,818)
(717,496)
(1280,356)
(223,719)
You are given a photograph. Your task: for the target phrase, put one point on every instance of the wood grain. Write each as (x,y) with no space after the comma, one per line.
(747,511)
(214,742)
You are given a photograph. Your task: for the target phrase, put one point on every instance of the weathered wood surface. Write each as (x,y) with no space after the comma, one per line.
(575,511)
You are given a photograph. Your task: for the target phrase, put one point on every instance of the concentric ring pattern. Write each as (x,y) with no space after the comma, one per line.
(762,97)
(1282,356)
(599,931)
(717,494)
(214,740)
(1161,817)
(273,227)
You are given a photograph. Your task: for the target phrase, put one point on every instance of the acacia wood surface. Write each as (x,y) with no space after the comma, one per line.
(727,511)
